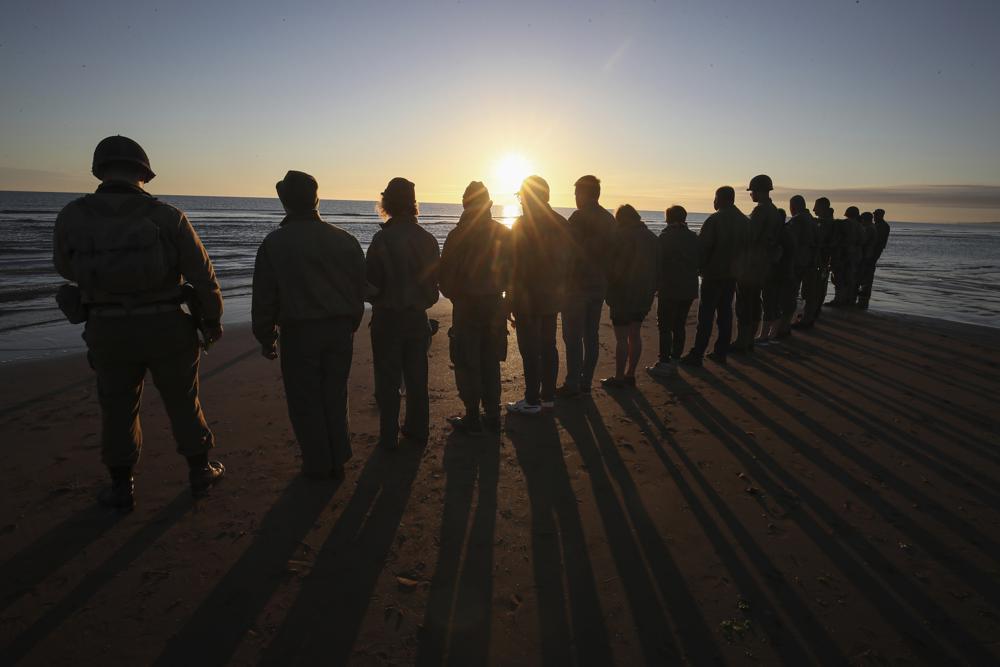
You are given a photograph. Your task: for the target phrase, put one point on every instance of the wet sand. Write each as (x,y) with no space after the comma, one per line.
(831,500)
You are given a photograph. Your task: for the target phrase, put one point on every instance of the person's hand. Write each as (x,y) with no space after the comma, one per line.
(269,351)
(212,333)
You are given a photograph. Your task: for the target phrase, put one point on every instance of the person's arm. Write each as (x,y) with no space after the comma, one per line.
(197,269)
(374,268)
(360,282)
(60,249)
(446,267)
(265,304)
(706,242)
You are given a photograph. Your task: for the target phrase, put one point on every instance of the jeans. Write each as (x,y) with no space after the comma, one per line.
(581,321)
(716,301)
(536,341)
(399,351)
(315,365)
(671,318)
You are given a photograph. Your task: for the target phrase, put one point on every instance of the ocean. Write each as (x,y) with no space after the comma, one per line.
(944,271)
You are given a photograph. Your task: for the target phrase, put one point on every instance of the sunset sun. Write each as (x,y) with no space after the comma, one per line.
(508,172)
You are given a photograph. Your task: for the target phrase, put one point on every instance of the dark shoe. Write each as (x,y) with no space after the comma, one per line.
(120,495)
(690,359)
(492,424)
(468,424)
(205,477)
(567,391)
(717,358)
(612,383)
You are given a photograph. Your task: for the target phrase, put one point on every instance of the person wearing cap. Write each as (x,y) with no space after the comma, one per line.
(801,230)
(473,273)
(723,243)
(540,263)
(129,255)
(816,275)
(633,272)
(591,227)
(869,250)
(401,265)
(677,288)
(764,250)
(308,300)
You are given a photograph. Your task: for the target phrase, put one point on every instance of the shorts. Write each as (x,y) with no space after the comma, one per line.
(620,319)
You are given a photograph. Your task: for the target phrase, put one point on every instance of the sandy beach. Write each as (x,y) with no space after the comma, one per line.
(830,500)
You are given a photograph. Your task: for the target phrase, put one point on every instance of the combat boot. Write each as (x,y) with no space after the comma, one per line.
(204,477)
(121,494)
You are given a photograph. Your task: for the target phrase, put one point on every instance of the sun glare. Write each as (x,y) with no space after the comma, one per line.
(508,173)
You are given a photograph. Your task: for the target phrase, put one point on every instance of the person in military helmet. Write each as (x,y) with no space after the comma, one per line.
(852,256)
(764,250)
(816,277)
(802,229)
(130,254)
(474,270)
(309,290)
(402,265)
(869,250)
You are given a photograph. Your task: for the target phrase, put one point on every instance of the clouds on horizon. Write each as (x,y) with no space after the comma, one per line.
(937,196)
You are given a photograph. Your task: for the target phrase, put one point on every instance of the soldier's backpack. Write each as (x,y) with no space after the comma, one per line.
(118,254)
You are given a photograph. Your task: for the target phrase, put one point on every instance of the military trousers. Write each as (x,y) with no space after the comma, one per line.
(477,343)
(121,350)
(315,365)
(581,326)
(748,313)
(671,320)
(400,339)
(865,279)
(813,293)
(715,302)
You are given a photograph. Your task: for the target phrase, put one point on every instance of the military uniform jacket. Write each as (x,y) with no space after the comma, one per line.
(764,246)
(306,270)
(723,244)
(882,236)
(679,259)
(803,230)
(181,255)
(402,266)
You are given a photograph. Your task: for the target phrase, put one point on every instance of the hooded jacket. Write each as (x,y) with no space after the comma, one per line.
(183,256)
(541,256)
(724,243)
(475,260)
(591,228)
(402,265)
(633,268)
(679,259)
(306,270)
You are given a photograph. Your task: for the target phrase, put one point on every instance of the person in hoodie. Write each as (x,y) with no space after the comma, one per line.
(473,273)
(633,272)
(677,288)
(591,227)
(801,228)
(308,300)
(869,253)
(723,244)
(129,255)
(541,254)
(763,251)
(401,266)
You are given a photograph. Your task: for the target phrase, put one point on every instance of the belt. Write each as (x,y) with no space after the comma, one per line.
(143,309)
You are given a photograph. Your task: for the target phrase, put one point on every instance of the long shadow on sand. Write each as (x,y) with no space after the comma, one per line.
(571,620)
(815,644)
(850,551)
(323,623)
(92,583)
(456,627)
(214,631)
(655,592)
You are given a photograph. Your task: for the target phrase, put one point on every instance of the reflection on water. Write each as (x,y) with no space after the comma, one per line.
(944,271)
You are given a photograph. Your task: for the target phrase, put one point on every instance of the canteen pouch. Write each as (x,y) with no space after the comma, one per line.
(118,255)
(69,298)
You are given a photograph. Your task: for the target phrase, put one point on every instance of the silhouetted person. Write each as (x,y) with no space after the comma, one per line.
(473,273)
(591,227)
(677,288)
(853,255)
(882,239)
(402,266)
(130,253)
(541,255)
(816,277)
(764,248)
(869,253)
(840,241)
(780,276)
(309,295)
(801,227)
(723,245)
(633,272)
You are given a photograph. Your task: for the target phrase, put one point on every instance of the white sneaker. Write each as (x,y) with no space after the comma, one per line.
(661,369)
(522,407)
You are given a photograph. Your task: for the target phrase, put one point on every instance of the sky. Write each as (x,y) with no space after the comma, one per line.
(874,103)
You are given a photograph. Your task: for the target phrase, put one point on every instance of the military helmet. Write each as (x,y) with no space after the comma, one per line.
(760,182)
(121,149)
(852,212)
